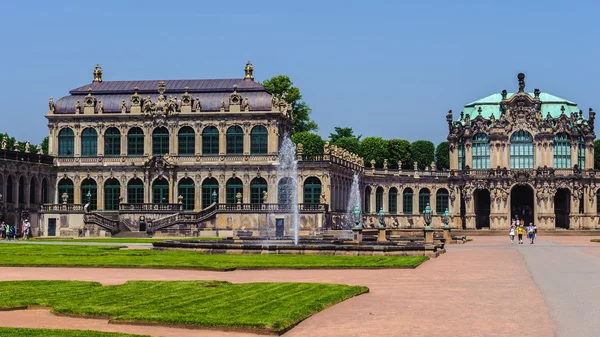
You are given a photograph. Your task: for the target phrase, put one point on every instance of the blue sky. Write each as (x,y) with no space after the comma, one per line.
(387,68)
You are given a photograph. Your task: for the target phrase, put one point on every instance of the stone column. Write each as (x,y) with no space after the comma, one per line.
(124,143)
(222,196)
(246,193)
(100,150)
(468,153)
(77,143)
(197,196)
(574,154)
(147,141)
(372,202)
(222,142)
(453,156)
(198,139)
(246,141)
(470,212)
(27,191)
(173,141)
(273,141)
(172,190)
(385,201)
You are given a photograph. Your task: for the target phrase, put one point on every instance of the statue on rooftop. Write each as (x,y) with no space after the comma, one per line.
(77,107)
(51,106)
(4,143)
(100,107)
(198,104)
(123,106)
(27,146)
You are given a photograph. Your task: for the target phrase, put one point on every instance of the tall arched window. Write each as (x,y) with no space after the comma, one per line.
(209,186)
(89,142)
(407,200)
(393,201)
(9,190)
(232,188)
(135,142)
(160,141)
(65,185)
(259,138)
(461,153)
(285,189)
(367,201)
(441,201)
(424,199)
(562,151)
(186,140)
(312,191)
(521,150)
(257,187)
(112,142)
(598,201)
(481,151)
(210,141)
(32,190)
(160,191)
(581,152)
(21,190)
(378,198)
(235,140)
(112,194)
(186,189)
(135,191)
(45,198)
(89,186)
(66,143)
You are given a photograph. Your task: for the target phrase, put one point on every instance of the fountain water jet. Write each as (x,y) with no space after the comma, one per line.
(287,179)
(353,201)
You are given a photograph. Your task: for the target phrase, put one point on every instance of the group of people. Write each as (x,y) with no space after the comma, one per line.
(9,232)
(518,226)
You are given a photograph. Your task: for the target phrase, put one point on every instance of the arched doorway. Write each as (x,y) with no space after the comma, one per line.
(482,208)
(562,208)
(521,203)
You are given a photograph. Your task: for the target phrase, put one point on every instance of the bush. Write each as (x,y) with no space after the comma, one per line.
(311,142)
(423,153)
(374,148)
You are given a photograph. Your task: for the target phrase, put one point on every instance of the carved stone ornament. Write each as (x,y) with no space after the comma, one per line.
(136,99)
(186,98)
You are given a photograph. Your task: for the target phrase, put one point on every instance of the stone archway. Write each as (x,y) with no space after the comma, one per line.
(562,208)
(522,203)
(482,208)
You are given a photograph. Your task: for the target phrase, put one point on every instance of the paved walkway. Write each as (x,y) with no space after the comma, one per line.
(484,288)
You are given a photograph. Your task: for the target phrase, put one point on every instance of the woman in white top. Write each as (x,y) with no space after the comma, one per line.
(511,232)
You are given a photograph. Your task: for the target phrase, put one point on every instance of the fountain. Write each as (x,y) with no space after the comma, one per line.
(353,201)
(287,177)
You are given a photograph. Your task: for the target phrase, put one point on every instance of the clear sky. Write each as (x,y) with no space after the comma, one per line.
(386,68)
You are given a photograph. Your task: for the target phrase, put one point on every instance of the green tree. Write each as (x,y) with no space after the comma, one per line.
(399,149)
(342,133)
(345,138)
(423,152)
(281,84)
(374,148)
(311,142)
(597,154)
(44,145)
(442,156)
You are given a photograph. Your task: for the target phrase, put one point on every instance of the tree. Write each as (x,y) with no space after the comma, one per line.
(442,156)
(300,110)
(44,145)
(597,154)
(423,152)
(345,138)
(399,149)
(311,142)
(374,148)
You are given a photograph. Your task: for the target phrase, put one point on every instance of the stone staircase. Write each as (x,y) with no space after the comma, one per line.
(125,232)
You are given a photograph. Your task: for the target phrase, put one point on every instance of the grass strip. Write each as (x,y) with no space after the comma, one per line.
(112,256)
(273,307)
(595,240)
(121,240)
(23,332)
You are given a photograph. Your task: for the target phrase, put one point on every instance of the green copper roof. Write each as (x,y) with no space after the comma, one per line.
(491,105)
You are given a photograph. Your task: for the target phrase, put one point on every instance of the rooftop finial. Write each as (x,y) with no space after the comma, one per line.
(249,70)
(521,78)
(97,74)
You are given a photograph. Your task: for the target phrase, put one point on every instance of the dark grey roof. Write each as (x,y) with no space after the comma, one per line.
(171,86)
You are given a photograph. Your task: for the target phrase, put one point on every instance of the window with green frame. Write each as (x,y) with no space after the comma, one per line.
(89,142)
(285,188)
(259,138)
(160,141)
(135,191)
(581,152)
(233,187)
(441,201)
(312,191)
(562,151)
(112,142)
(407,201)
(186,189)
(378,199)
(598,202)
(521,150)
(209,186)
(160,191)
(393,201)
(235,140)
(89,185)
(481,151)
(135,142)
(65,185)
(186,140)
(257,187)
(112,195)
(367,201)
(461,154)
(45,196)
(210,141)
(66,143)
(424,199)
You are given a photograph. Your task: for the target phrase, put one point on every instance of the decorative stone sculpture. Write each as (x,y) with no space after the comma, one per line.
(16,146)
(100,107)
(39,150)
(326,147)
(123,107)
(180,199)
(400,165)
(198,104)
(373,163)
(299,148)
(4,143)
(274,102)
(77,107)
(238,196)
(385,164)
(265,197)
(416,166)
(65,198)
(222,105)
(433,166)
(27,147)
(51,106)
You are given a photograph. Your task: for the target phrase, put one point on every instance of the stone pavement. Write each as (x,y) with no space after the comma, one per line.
(483,288)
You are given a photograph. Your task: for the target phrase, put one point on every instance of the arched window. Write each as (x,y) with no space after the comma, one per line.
(45,198)
(407,200)
(378,198)
(257,187)
(210,141)
(89,142)
(562,151)
(9,190)
(135,191)
(367,205)
(424,199)
(259,139)
(209,186)
(441,201)
(65,185)
(112,142)
(233,187)
(186,140)
(135,142)
(89,186)
(160,141)
(481,151)
(32,190)
(186,189)
(21,190)
(461,153)
(393,201)
(112,194)
(160,191)
(285,189)
(66,143)
(312,191)
(235,140)
(581,152)
(598,201)
(521,150)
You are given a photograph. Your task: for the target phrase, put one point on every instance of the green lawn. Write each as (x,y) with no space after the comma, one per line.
(119,240)
(262,306)
(595,240)
(108,256)
(18,332)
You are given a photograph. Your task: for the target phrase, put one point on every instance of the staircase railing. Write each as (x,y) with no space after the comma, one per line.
(101,221)
(184,218)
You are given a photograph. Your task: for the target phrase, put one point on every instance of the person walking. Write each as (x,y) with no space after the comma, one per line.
(511,232)
(530,233)
(26,230)
(3,230)
(520,233)
(13,232)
